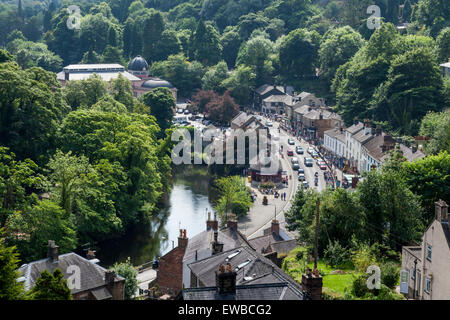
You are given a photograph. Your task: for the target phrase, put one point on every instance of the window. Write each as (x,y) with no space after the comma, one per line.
(413,273)
(428,252)
(427,284)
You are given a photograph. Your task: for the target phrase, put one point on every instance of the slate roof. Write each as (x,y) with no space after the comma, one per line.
(259,275)
(362,137)
(267,87)
(201,243)
(92,276)
(286,99)
(409,154)
(240,119)
(355,128)
(303,95)
(263,242)
(373,147)
(284,247)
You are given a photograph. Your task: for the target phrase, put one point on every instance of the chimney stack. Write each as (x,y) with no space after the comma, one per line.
(182,239)
(109,277)
(90,254)
(275,227)
(441,210)
(212,224)
(217,247)
(66,74)
(52,251)
(312,284)
(226,279)
(378,131)
(355,121)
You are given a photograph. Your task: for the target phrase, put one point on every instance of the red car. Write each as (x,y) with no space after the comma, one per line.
(290,153)
(323,166)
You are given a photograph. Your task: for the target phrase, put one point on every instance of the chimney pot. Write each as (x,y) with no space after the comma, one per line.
(226,279)
(52,251)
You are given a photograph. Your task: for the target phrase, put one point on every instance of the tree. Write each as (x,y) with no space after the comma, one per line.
(213,78)
(436,126)
(126,270)
(161,103)
(413,87)
(298,54)
(50,287)
(234,197)
(43,221)
(154,26)
(32,106)
(184,75)
(336,48)
(122,91)
(10,288)
(240,84)
(293,215)
(443,44)
(204,44)
(201,99)
(429,178)
(434,14)
(223,109)
(85,93)
(257,54)
(231,42)
(168,44)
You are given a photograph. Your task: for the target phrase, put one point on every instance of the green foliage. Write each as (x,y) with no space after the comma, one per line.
(214,77)
(50,287)
(31,108)
(234,197)
(240,84)
(436,126)
(161,103)
(335,255)
(390,274)
(126,270)
(362,256)
(85,93)
(204,44)
(443,44)
(184,75)
(10,288)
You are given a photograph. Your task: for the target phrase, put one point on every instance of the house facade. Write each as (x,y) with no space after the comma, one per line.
(425,268)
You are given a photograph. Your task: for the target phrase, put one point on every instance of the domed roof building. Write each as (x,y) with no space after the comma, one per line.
(156,83)
(138,67)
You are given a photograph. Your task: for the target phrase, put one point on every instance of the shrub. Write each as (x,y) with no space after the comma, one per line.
(390,274)
(362,257)
(335,254)
(359,286)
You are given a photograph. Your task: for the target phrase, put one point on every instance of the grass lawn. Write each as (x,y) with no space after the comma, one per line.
(337,283)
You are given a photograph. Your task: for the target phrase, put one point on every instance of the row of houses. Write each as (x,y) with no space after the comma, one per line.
(222,264)
(363,146)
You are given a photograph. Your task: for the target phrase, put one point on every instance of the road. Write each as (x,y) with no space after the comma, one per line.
(259,217)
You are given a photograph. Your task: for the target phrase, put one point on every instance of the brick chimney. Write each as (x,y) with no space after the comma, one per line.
(52,251)
(312,284)
(109,277)
(226,279)
(441,210)
(217,247)
(182,239)
(275,227)
(212,224)
(378,131)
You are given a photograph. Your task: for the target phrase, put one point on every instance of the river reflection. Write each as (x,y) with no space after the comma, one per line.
(185,208)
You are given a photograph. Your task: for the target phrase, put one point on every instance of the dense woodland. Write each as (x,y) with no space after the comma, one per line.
(87,161)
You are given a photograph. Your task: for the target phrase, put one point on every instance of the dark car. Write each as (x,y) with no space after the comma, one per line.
(301,171)
(308,162)
(290,153)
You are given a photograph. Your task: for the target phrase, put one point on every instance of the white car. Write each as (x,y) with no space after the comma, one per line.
(311,150)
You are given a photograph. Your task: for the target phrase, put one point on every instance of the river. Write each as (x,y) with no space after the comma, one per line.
(185,208)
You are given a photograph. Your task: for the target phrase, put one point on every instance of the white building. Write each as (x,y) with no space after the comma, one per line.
(445,67)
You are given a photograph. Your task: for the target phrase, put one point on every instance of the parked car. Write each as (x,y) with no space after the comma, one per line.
(294,160)
(290,153)
(301,177)
(295,166)
(314,154)
(291,141)
(311,150)
(186,111)
(299,150)
(305,184)
(179,110)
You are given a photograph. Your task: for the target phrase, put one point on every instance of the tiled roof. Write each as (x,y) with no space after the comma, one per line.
(287,99)
(91,275)
(267,87)
(373,147)
(262,272)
